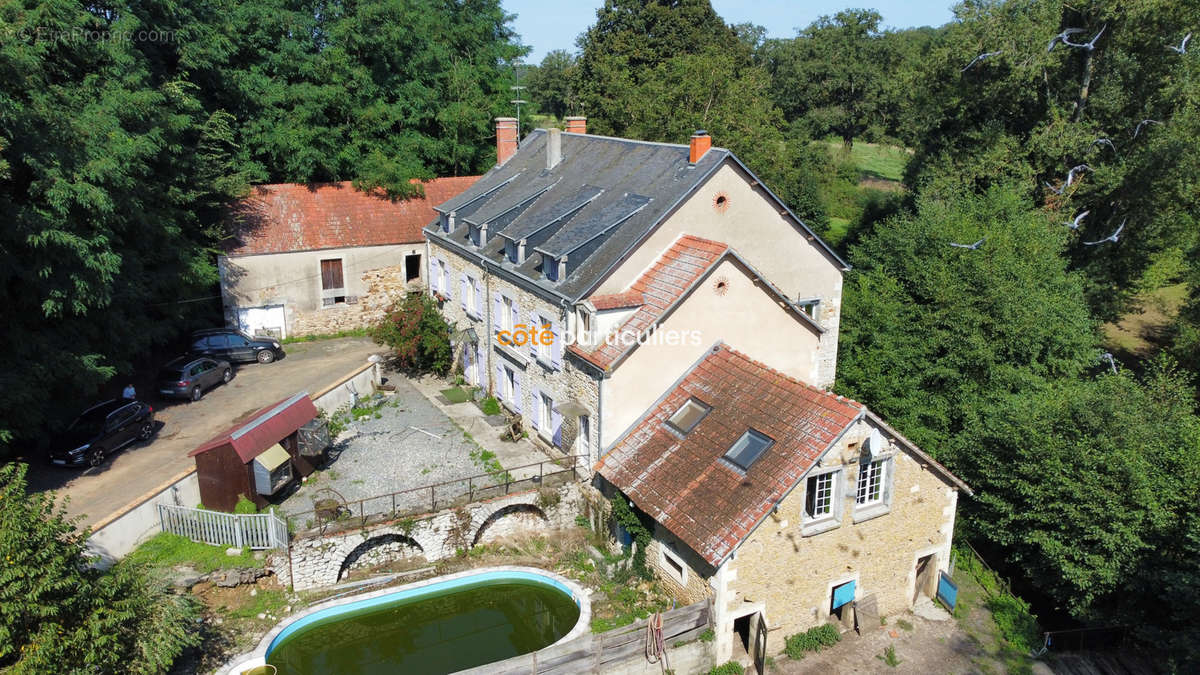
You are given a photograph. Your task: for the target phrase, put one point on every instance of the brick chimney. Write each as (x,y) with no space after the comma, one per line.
(576,125)
(700,144)
(506,138)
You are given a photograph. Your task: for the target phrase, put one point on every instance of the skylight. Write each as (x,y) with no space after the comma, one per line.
(688,416)
(748,448)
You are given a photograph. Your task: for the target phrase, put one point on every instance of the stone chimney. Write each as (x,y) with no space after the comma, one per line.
(701,142)
(576,125)
(553,148)
(506,138)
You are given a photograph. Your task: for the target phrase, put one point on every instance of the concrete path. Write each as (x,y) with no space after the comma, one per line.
(95,493)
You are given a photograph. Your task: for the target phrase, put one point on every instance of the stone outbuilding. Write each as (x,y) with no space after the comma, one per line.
(322,258)
(782,502)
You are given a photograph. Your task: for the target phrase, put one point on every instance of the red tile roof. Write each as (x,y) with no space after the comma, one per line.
(289,217)
(685,485)
(265,428)
(688,259)
(625,300)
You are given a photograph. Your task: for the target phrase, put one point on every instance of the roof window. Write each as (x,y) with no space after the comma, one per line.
(688,416)
(748,448)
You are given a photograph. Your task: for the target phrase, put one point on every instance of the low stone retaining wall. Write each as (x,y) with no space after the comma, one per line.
(322,559)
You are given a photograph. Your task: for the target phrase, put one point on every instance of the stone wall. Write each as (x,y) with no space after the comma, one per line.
(317,560)
(383,286)
(791,570)
(569,382)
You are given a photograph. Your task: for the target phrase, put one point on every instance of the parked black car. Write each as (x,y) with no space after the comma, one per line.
(191,376)
(102,430)
(235,346)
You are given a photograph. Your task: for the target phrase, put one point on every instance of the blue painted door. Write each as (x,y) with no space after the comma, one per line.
(843,594)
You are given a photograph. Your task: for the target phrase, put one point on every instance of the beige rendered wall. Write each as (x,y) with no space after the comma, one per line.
(741,313)
(793,575)
(374,274)
(752,225)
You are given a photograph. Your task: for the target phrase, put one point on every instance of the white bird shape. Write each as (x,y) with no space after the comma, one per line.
(972,247)
(1112,237)
(1074,225)
(977,59)
(1182,48)
(1107,356)
(1141,124)
(1062,37)
(1057,191)
(1076,170)
(1086,45)
(1105,141)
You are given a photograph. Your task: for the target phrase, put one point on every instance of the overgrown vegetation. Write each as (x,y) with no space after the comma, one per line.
(812,640)
(57,614)
(417,334)
(727,668)
(1012,615)
(639,528)
(490,406)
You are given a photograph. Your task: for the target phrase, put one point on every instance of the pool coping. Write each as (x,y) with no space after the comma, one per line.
(258,657)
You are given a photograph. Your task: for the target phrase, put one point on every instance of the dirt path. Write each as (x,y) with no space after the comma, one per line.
(97,492)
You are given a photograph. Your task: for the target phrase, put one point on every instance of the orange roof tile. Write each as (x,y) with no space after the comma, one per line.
(288,217)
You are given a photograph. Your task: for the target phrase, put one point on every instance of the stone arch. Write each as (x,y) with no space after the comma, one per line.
(514,512)
(371,548)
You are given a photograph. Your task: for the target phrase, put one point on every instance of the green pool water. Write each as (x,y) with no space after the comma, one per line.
(467,626)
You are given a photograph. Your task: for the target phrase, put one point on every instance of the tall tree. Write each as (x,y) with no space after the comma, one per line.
(550,84)
(832,74)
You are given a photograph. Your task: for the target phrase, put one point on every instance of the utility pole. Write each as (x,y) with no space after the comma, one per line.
(518,101)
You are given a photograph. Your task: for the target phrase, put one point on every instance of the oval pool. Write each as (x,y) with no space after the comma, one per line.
(439,626)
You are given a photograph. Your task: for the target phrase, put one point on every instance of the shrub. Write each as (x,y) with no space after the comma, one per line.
(1014,621)
(490,406)
(707,636)
(244,505)
(417,333)
(811,640)
(727,668)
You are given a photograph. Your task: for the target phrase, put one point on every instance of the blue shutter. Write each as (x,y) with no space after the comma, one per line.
(478,297)
(516,402)
(446,279)
(556,348)
(556,425)
(533,323)
(499,386)
(497,307)
(516,314)
(434,276)
(843,594)
(535,409)
(462,286)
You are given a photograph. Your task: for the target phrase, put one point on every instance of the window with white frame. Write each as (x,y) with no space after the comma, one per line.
(546,423)
(584,440)
(543,347)
(510,385)
(819,495)
(870,483)
(472,305)
(688,416)
(506,313)
(810,306)
(585,327)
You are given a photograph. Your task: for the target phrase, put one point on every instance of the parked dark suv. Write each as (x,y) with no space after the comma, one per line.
(191,376)
(102,430)
(235,346)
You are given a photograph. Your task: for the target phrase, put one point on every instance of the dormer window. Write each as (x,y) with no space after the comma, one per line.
(688,416)
(510,250)
(810,306)
(748,449)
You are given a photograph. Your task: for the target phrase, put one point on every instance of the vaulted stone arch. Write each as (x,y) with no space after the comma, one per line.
(513,516)
(381,548)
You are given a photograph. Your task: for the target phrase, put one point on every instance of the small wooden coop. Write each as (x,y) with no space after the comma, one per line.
(262,455)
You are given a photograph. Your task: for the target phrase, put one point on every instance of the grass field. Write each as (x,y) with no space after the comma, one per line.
(1137,333)
(886,162)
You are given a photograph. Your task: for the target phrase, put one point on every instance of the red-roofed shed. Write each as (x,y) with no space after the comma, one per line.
(255,457)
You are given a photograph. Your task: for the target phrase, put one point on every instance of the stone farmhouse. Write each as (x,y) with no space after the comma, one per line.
(656,308)
(312,259)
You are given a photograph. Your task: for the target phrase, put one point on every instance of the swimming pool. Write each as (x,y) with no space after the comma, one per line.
(441,625)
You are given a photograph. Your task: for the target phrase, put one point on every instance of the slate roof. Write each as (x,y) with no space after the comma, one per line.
(288,217)
(686,485)
(595,206)
(265,428)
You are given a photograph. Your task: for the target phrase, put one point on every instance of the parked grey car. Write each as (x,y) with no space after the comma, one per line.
(190,376)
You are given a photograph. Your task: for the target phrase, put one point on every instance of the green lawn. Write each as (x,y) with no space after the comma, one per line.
(838,227)
(456,395)
(165,550)
(885,162)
